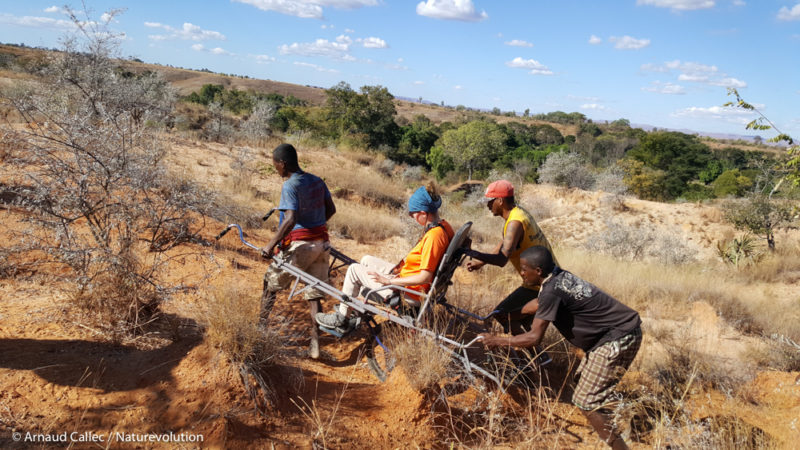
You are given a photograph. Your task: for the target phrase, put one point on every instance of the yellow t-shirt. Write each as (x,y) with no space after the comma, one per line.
(531,234)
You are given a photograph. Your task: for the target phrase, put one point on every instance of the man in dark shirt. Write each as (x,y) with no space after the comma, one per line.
(608,331)
(306,206)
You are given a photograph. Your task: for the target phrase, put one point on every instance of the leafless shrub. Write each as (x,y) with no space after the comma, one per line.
(386,167)
(634,243)
(611,181)
(94,177)
(413,173)
(256,127)
(220,127)
(566,169)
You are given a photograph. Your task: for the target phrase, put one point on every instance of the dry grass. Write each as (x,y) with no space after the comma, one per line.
(424,363)
(364,184)
(230,316)
(364,223)
(659,408)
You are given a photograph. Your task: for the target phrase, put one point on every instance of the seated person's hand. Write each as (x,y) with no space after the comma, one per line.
(379,278)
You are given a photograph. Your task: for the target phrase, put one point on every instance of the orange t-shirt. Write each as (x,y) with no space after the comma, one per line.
(427,254)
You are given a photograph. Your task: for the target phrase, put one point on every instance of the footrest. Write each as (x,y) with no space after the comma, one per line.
(331,331)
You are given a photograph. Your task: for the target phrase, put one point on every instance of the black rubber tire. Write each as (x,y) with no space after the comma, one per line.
(379,362)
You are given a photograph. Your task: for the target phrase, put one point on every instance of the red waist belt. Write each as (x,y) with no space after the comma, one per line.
(319,233)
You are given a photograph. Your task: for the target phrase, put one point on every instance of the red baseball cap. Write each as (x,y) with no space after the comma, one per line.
(499,189)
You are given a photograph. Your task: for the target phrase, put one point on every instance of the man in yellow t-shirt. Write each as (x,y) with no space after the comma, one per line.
(520,232)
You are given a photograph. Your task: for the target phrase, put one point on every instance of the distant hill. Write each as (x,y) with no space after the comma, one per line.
(190,80)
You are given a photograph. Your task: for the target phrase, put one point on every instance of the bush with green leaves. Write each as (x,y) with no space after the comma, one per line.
(761,215)
(740,250)
(731,183)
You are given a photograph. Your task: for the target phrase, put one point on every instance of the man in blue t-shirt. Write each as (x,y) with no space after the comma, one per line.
(302,237)
(607,330)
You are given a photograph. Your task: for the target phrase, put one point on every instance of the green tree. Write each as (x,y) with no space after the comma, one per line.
(439,162)
(473,146)
(642,180)
(370,113)
(680,156)
(416,141)
(731,182)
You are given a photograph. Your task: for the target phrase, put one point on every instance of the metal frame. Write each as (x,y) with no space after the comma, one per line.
(452,259)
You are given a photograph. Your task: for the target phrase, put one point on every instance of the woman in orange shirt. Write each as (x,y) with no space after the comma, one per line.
(415,271)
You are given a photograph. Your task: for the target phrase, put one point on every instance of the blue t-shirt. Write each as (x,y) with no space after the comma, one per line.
(304,194)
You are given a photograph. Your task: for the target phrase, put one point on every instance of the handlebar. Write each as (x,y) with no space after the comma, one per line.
(269,213)
(241,235)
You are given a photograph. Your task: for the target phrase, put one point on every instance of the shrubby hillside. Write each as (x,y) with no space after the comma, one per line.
(120,311)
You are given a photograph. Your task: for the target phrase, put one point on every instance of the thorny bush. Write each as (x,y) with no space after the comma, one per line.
(91,155)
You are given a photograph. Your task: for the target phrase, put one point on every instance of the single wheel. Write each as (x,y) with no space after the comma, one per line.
(379,359)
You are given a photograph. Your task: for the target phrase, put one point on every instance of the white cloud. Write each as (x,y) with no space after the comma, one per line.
(728,114)
(326,26)
(594,40)
(188,32)
(348,30)
(593,106)
(263,59)
(462,10)
(729,82)
(519,43)
(320,47)
(665,88)
(373,42)
(696,73)
(789,14)
(419,83)
(213,51)
(629,43)
(583,99)
(315,67)
(52,9)
(678,5)
(536,68)
(739,3)
(307,9)
(37,22)
(458,87)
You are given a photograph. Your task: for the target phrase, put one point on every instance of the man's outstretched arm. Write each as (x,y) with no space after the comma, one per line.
(501,254)
(525,340)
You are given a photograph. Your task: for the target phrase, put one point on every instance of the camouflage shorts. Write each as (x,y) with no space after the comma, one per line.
(310,257)
(602,368)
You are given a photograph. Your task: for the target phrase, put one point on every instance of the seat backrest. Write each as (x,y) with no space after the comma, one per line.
(447,266)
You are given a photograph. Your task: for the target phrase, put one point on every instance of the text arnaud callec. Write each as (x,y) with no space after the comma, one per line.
(89,436)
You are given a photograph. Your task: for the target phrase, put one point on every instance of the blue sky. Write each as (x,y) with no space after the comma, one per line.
(665,63)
